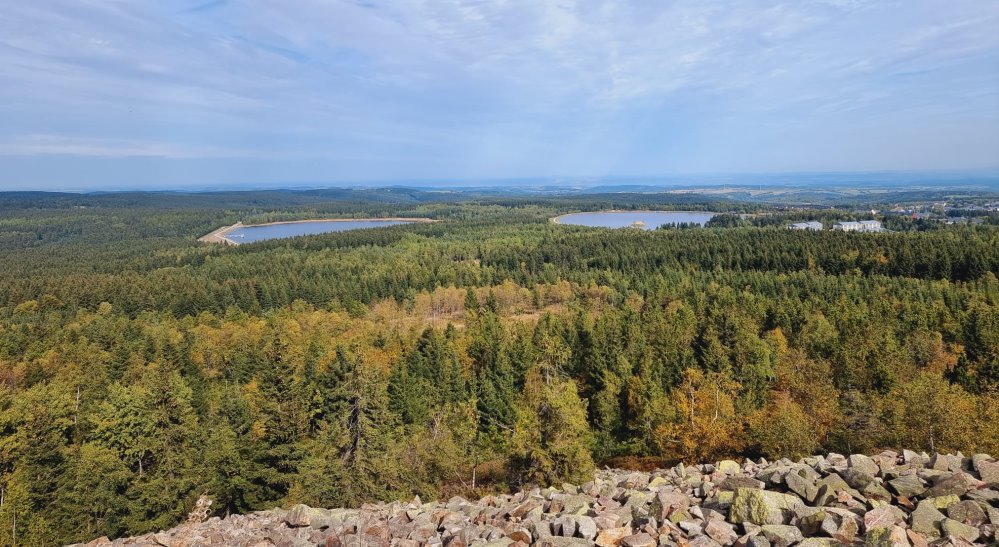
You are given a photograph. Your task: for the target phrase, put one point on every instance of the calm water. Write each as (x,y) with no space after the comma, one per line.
(624,219)
(249,234)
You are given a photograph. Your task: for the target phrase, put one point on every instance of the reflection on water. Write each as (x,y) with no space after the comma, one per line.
(646,220)
(249,234)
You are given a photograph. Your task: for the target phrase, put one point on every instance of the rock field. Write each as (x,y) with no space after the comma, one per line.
(889,499)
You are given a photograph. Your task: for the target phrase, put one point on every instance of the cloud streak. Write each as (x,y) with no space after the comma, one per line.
(57,145)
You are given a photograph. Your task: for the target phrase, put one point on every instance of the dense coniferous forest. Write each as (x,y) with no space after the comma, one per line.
(492,349)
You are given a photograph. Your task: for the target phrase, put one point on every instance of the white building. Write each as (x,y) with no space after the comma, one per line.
(860,226)
(813,225)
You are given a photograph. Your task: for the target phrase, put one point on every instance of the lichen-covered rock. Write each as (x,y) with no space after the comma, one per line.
(907,485)
(893,536)
(863,464)
(989,472)
(953,528)
(781,535)
(669,506)
(820,542)
(758,541)
(800,486)
(762,507)
(926,519)
(728,467)
(967,512)
(954,484)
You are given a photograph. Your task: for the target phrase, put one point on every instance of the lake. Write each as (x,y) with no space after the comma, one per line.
(263,232)
(647,220)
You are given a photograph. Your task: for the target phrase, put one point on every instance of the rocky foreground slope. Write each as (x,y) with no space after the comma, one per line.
(888,499)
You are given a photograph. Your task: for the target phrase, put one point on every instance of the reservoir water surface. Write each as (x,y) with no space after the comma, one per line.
(647,220)
(262,232)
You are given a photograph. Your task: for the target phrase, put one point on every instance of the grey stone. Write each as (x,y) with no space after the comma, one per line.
(586,528)
(956,510)
(721,531)
(956,484)
(667,504)
(737,482)
(303,515)
(577,504)
(638,540)
(564,525)
(729,467)
(863,464)
(953,528)
(781,535)
(702,541)
(804,488)
(926,519)
(967,512)
(880,517)
(989,472)
(762,506)
(819,542)
(875,491)
(857,478)
(907,485)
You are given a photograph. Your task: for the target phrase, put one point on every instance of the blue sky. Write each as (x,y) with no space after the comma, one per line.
(104,94)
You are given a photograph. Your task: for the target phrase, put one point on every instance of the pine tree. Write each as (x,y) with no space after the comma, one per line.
(354,458)
(551,439)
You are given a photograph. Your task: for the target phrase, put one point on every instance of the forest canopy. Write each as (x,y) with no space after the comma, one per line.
(142,369)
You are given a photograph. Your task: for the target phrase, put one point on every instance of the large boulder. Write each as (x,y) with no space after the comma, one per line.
(721,531)
(803,487)
(611,537)
(880,517)
(303,515)
(639,540)
(857,478)
(908,486)
(737,482)
(820,542)
(989,472)
(669,506)
(926,519)
(967,512)
(894,536)
(728,467)
(781,535)
(954,484)
(762,507)
(864,464)
(586,528)
(953,528)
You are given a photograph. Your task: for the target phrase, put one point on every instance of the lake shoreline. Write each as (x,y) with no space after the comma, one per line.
(219,235)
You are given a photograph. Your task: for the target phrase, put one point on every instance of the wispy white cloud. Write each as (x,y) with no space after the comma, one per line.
(59,145)
(519,86)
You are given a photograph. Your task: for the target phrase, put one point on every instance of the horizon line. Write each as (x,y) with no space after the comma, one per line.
(784,178)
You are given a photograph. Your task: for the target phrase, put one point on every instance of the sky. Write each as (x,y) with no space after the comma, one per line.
(111,94)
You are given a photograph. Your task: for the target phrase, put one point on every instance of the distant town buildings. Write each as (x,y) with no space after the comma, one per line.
(813,225)
(859,226)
